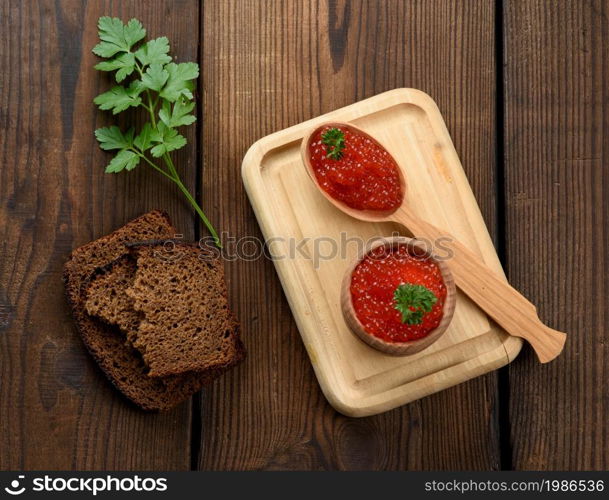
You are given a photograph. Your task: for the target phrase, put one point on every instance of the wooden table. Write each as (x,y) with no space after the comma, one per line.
(522,86)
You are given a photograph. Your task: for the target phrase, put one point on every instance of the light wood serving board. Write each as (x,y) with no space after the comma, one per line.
(356,379)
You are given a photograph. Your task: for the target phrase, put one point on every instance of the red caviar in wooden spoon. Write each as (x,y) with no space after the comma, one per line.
(373,285)
(355,170)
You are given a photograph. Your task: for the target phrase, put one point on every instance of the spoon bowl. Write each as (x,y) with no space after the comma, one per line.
(398,348)
(365,215)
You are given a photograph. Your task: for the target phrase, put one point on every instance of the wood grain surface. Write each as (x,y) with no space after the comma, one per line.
(556,146)
(267,64)
(275,64)
(57,409)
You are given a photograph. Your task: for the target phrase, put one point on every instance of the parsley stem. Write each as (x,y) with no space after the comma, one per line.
(176,178)
(153,165)
(193,202)
(150,109)
(173,175)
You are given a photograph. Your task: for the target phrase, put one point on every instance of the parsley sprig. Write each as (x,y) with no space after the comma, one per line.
(147,78)
(413,301)
(334,139)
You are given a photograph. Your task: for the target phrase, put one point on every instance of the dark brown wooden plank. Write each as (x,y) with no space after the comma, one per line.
(57,410)
(269,65)
(557,218)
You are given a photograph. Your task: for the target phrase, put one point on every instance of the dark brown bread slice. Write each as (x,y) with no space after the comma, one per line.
(186,324)
(106,297)
(121,363)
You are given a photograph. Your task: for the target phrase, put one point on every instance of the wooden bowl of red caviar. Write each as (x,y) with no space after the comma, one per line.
(397,296)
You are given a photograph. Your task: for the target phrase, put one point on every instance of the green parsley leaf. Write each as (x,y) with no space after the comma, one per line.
(106,49)
(111,36)
(112,138)
(112,30)
(118,99)
(116,37)
(155,77)
(179,115)
(180,82)
(154,52)
(124,159)
(169,140)
(334,139)
(143,141)
(136,87)
(133,32)
(124,63)
(413,301)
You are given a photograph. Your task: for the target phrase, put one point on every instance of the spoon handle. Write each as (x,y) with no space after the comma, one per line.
(511,310)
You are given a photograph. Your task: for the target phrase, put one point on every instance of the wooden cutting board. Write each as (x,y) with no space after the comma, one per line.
(301,226)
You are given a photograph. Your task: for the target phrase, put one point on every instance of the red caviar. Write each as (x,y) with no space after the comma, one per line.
(366,177)
(373,283)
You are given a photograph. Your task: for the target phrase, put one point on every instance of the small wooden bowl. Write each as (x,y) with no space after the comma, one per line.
(399,348)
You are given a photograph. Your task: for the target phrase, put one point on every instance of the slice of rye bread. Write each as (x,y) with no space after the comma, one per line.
(105,296)
(186,324)
(121,363)
(107,299)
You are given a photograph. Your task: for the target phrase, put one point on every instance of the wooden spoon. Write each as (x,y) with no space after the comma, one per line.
(513,312)
(411,346)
